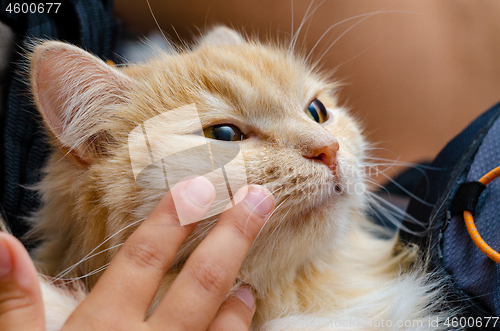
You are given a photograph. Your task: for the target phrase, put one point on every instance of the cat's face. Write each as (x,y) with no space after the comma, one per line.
(272,102)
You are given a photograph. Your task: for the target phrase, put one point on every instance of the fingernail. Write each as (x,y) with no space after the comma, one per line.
(200,191)
(5,259)
(246,296)
(260,199)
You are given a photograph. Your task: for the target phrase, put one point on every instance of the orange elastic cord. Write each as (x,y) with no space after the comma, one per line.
(471,227)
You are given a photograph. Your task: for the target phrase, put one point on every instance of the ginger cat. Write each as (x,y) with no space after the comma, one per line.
(318,262)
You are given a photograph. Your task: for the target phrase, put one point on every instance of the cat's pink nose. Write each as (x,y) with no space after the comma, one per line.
(327,154)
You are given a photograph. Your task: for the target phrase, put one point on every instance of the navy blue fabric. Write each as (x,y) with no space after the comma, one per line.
(471,270)
(431,186)
(472,280)
(86,23)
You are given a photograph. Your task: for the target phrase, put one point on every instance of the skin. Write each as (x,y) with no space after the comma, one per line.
(197,299)
(415,78)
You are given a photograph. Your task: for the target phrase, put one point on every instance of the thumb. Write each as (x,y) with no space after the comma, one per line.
(21,304)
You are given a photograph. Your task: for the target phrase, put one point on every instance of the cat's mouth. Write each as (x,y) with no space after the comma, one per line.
(320,187)
(333,167)
(330,184)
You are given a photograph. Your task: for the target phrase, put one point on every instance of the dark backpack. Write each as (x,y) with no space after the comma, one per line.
(473,279)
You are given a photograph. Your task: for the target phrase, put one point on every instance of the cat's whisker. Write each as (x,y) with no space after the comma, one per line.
(377,185)
(372,147)
(375,166)
(183,42)
(391,163)
(407,191)
(338,38)
(91,256)
(273,212)
(390,166)
(69,269)
(386,205)
(157,24)
(291,9)
(406,163)
(363,17)
(278,228)
(307,16)
(294,35)
(367,15)
(276,209)
(377,207)
(72,280)
(304,38)
(337,67)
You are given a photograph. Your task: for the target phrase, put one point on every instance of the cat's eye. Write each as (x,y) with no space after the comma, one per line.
(226,132)
(317,111)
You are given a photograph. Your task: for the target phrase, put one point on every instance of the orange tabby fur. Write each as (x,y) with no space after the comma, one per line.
(315,261)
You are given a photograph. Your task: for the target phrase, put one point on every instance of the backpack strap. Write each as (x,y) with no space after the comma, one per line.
(466,197)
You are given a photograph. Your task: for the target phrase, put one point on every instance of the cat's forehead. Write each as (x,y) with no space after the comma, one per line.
(240,79)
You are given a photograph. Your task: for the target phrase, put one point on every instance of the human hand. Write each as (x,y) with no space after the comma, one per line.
(123,294)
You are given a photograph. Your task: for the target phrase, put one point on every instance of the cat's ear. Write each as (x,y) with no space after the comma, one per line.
(221,35)
(75,92)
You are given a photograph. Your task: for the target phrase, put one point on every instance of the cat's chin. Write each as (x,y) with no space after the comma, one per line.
(310,203)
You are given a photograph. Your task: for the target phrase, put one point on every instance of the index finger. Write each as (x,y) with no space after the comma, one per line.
(203,283)
(133,277)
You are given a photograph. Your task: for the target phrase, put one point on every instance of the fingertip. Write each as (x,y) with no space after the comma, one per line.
(245,295)
(21,303)
(200,191)
(15,263)
(5,256)
(260,199)
(192,199)
(236,313)
(257,198)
